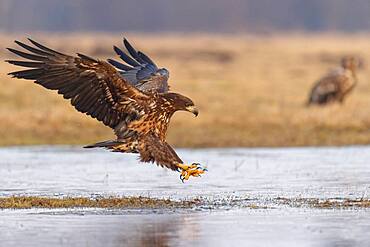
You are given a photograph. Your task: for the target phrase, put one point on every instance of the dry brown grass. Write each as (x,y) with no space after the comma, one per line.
(325,203)
(250,90)
(73,202)
(26,202)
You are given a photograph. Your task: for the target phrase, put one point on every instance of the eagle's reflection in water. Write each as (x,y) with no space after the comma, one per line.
(106,228)
(101,228)
(169,230)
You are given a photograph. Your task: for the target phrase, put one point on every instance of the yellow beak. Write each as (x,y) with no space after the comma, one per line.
(193,110)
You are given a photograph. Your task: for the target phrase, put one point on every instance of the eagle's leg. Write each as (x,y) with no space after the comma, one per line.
(187,171)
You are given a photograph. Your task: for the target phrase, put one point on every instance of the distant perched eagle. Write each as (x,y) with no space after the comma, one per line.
(336,85)
(132,98)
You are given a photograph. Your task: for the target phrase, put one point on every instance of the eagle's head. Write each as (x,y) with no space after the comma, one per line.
(181,103)
(351,63)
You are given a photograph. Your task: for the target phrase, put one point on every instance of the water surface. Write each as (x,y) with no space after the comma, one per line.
(237,179)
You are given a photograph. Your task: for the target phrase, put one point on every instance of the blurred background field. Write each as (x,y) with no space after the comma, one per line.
(251,89)
(248,64)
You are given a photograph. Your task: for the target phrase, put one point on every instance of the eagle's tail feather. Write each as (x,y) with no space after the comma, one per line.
(105,144)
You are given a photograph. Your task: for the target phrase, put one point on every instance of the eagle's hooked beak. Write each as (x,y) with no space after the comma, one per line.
(193,110)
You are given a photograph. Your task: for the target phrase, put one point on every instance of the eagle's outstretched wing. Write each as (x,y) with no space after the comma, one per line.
(140,70)
(94,86)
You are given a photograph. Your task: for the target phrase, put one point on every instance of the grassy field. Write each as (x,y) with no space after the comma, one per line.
(250,90)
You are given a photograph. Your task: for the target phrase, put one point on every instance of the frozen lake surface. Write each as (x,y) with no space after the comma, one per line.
(237,179)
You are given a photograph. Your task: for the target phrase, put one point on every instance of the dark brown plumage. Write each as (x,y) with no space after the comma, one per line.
(137,107)
(336,85)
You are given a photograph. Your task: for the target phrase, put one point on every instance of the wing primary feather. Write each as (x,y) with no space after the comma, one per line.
(32,49)
(26,64)
(119,65)
(146,58)
(132,51)
(44,48)
(31,74)
(57,76)
(27,55)
(125,57)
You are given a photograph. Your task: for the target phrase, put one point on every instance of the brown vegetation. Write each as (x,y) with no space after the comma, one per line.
(26,202)
(73,202)
(251,91)
(325,203)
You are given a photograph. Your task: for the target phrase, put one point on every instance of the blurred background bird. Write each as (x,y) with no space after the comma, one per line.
(337,84)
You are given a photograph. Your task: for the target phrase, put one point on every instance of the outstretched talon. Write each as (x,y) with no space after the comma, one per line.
(193,170)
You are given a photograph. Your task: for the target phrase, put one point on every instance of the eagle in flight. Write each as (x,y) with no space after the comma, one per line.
(337,84)
(132,97)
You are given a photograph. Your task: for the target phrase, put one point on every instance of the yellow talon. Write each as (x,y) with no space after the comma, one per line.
(193,170)
(187,167)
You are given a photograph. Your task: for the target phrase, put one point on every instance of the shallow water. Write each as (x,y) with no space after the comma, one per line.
(237,178)
(271,227)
